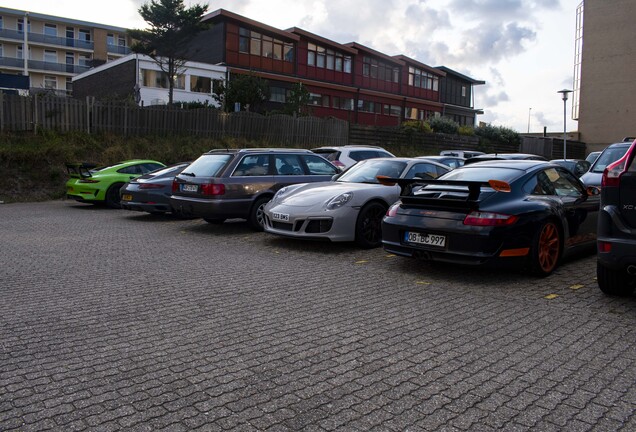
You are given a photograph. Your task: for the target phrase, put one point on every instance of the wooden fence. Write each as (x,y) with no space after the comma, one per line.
(30,113)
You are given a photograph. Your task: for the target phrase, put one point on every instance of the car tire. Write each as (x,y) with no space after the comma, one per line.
(257,215)
(545,252)
(214,221)
(369,225)
(614,282)
(113,199)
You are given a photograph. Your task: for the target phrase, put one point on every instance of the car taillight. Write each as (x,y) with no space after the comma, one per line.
(604,246)
(152,186)
(338,164)
(212,189)
(175,186)
(392,211)
(612,173)
(489,219)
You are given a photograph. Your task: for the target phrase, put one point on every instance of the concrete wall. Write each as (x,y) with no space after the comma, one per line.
(608,82)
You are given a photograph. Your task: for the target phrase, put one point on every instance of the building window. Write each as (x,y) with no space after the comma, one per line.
(315,99)
(50,56)
(69,86)
(255,43)
(422,79)
(200,84)
(85,35)
(369,106)
(121,41)
(463,91)
(1,23)
(277,94)
(18,52)
(379,70)
(410,113)
(326,58)
(50,29)
(85,60)
(392,110)
(110,39)
(50,82)
(70,33)
(343,103)
(1,51)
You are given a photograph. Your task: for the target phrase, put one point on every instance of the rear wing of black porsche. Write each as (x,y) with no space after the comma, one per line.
(80,170)
(462,194)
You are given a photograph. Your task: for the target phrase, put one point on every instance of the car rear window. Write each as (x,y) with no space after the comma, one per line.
(609,155)
(474,173)
(330,155)
(208,165)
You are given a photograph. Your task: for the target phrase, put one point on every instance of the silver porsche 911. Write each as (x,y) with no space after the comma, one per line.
(349,208)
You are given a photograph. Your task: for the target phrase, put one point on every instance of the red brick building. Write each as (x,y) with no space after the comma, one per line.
(347,81)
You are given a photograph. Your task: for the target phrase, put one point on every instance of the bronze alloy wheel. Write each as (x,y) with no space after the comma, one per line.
(548,248)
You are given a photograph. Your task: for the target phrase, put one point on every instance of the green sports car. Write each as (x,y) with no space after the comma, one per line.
(101,185)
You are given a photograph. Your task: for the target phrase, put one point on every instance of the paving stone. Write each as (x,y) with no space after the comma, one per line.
(238,330)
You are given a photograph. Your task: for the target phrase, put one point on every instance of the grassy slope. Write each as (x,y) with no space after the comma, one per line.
(32,167)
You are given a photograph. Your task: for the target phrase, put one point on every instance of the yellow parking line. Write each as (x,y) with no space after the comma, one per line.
(362,262)
(422,283)
(577,286)
(551,296)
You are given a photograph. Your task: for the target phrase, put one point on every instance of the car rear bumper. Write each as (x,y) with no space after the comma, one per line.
(211,208)
(146,207)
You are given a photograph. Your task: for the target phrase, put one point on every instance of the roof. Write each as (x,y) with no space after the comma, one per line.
(323,40)
(54,19)
(450,71)
(420,65)
(222,13)
(371,51)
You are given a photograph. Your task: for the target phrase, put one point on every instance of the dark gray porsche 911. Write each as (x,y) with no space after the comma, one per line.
(533,212)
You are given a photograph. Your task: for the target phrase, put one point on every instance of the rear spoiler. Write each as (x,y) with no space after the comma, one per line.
(472,200)
(81,170)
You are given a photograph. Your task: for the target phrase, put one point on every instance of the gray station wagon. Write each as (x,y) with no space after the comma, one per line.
(228,184)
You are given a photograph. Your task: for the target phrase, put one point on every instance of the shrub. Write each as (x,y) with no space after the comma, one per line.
(443,125)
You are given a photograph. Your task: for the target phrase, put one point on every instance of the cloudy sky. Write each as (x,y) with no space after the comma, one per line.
(523,49)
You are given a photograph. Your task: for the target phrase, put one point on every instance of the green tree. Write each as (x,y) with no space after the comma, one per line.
(297,100)
(248,90)
(171,27)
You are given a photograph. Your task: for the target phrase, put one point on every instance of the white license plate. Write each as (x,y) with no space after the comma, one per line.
(425,239)
(189,188)
(280,217)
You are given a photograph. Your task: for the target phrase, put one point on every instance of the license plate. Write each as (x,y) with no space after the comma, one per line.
(189,188)
(126,197)
(425,239)
(280,217)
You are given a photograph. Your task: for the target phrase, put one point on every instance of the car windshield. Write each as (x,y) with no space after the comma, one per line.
(609,155)
(476,173)
(208,165)
(367,171)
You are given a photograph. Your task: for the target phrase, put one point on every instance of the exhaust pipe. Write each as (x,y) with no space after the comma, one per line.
(631,269)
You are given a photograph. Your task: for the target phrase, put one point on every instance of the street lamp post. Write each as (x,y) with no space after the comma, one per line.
(529,111)
(564,93)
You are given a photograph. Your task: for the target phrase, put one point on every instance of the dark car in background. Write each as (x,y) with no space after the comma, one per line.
(526,212)
(578,167)
(616,258)
(610,154)
(227,184)
(151,192)
(503,156)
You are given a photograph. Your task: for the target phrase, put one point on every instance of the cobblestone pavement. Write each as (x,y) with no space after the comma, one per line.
(115,320)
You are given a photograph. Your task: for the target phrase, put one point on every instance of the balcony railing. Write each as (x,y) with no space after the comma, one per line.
(118,49)
(42,65)
(46,39)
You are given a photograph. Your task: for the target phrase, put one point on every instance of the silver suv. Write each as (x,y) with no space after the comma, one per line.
(227,184)
(616,233)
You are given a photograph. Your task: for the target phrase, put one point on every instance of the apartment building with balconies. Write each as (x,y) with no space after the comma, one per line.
(51,50)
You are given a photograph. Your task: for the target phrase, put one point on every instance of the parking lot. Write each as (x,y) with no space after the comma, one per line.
(117,320)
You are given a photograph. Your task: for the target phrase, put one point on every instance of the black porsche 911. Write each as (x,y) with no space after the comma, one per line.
(522,211)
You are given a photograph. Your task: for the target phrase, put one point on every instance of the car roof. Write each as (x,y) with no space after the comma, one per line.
(523,164)
(259,150)
(351,146)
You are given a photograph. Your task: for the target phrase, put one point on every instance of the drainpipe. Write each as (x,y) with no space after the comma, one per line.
(25,49)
